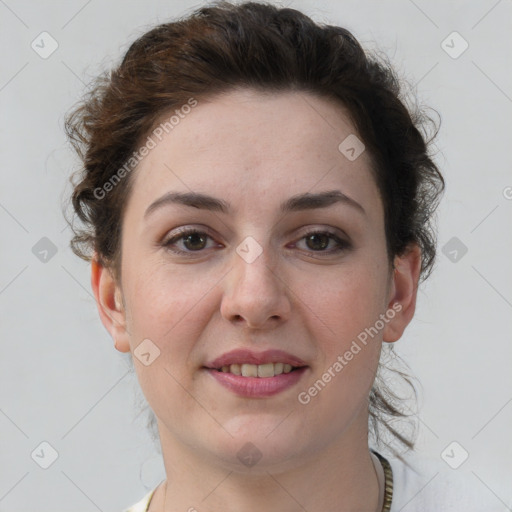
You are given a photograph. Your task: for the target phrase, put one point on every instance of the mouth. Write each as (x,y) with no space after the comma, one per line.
(258,370)
(256,374)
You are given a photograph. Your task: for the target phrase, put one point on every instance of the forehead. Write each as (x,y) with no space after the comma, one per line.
(256,145)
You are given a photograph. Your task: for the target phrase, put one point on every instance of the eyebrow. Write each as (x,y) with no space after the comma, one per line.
(306,201)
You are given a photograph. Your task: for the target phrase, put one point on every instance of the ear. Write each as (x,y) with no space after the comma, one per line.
(403,291)
(108,300)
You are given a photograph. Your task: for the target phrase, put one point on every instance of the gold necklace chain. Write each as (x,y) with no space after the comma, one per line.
(388,484)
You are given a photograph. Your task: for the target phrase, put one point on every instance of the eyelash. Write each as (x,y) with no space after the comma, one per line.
(342,245)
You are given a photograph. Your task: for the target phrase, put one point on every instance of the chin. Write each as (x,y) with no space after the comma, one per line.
(264,427)
(258,443)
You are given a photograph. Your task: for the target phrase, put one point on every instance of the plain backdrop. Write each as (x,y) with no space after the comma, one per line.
(62,383)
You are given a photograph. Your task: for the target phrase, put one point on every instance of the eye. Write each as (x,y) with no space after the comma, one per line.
(193,240)
(319,240)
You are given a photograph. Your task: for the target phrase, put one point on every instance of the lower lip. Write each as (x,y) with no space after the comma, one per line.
(257,387)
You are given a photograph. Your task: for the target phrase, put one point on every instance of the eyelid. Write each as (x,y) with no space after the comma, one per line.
(316,228)
(308,230)
(180,232)
(322,228)
(343,242)
(200,228)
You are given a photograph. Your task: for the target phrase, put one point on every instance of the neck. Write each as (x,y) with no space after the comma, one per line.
(343,476)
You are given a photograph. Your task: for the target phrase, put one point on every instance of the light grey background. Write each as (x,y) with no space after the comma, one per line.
(61,379)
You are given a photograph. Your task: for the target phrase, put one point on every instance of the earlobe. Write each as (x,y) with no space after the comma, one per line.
(403,292)
(109,304)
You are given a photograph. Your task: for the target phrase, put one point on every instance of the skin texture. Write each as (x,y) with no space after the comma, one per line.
(254,151)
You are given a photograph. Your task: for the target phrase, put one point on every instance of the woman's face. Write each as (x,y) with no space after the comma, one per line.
(255,280)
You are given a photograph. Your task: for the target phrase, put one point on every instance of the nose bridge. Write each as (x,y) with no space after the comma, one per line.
(254,264)
(254,291)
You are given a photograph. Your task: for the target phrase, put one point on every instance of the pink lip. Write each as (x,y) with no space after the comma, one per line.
(241,356)
(257,387)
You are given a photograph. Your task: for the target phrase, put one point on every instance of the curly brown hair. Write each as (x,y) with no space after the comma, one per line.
(224,46)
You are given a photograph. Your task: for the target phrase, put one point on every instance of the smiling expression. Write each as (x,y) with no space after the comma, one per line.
(247,230)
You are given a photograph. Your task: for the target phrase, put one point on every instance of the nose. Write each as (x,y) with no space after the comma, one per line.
(255,294)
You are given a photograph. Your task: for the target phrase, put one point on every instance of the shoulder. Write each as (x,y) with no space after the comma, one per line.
(142,505)
(425,483)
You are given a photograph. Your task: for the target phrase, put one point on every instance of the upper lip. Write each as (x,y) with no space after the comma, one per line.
(241,356)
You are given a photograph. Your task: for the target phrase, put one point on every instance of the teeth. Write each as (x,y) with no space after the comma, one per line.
(236,369)
(266,370)
(249,370)
(258,370)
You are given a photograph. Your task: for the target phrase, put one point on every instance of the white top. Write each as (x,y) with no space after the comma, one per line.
(427,485)
(434,485)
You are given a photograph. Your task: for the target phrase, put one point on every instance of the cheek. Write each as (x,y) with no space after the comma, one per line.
(161,295)
(170,307)
(342,313)
(344,302)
